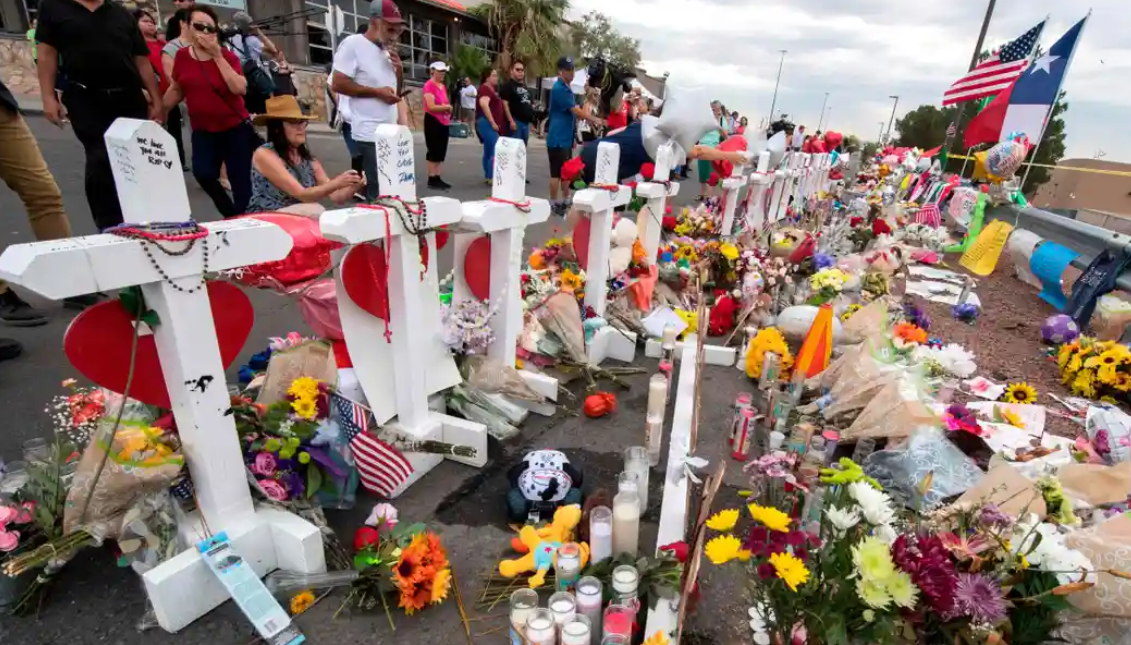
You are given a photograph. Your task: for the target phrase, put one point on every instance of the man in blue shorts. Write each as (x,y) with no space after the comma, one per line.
(559,137)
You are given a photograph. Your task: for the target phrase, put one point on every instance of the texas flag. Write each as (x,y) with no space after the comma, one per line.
(1024,106)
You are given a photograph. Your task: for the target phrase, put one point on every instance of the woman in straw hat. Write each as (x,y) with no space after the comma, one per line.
(284,175)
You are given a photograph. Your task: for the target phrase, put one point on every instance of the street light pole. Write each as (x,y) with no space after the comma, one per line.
(881,138)
(822,119)
(893,107)
(774,103)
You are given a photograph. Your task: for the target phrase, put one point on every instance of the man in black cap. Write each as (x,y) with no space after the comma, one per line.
(563,113)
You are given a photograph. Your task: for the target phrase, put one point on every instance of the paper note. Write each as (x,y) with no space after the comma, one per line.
(981,258)
(663,317)
(941,292)
(1048,263)
(931,273)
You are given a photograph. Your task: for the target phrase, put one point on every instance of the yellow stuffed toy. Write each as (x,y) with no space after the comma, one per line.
(542,546)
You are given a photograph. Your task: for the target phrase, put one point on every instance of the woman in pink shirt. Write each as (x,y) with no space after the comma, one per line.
(437,116)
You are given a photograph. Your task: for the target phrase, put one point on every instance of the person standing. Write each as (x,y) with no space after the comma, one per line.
(711,139)
(798,137)
(467,101)
(209,80)
(489,120)
(437,117)
(742,123)
(22,167)
(366,70)
(517,104)
(109,76)
(174,119)
(251,45)
(563,112)
(173,26)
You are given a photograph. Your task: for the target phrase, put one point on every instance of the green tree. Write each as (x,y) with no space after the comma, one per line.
(851,142)
(1051,150)
(870,149)
(467,61)
(924,127)
(595,36)
(528,29)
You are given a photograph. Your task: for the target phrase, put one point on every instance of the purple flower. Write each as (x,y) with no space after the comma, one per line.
(822,261)
(980,598)
(917,315)
(1102,442)
(265,464)
(966,312)
(992,517)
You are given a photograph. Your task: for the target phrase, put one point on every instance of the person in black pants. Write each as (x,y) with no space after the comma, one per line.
(108,68)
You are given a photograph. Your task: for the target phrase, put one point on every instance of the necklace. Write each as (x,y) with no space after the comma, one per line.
(153,234)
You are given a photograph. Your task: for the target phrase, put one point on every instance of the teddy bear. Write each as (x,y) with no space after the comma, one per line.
(541,546)
(540,483)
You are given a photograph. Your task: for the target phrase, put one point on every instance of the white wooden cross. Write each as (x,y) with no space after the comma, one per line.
(782,178)
(504,222)
(757,201)
(649,223)
(397,377)
(731,187)
(151,187)
(599,204)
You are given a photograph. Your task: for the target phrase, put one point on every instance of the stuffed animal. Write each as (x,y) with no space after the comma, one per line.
(541,546)
(542,482)
(722,314)
(620,256)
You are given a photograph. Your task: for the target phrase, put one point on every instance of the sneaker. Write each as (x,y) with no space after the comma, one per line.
(82,302)
(10,349)
(17,313)
(435,183)
(443,184)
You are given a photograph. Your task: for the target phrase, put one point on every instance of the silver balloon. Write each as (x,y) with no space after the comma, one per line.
(755,140)
(776,146)
(687,115)
(653,138)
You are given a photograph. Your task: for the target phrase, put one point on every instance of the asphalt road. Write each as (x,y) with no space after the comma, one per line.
(93,601)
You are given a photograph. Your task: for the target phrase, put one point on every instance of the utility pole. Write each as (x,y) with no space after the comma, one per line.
(880,139)
(822,119)
(774,103)
(893,107)
(973,64)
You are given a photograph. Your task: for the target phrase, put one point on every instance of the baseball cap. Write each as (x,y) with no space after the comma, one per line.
(439,66)
(565,62)
(386,10)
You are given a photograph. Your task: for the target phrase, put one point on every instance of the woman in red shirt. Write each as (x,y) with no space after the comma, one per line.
(209,80)
(490,119)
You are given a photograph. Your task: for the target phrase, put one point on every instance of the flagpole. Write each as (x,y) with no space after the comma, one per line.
(1056,98)
(973,64)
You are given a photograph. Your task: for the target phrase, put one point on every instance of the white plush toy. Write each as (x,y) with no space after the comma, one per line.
(620,256)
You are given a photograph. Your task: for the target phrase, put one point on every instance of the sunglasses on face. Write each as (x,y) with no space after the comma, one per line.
(203,27)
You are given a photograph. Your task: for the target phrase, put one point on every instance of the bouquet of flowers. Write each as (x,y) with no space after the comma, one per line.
(407,562)
(698,222)
(1096,369)
(768,339)
(928,237)
(826,285)
(466,327)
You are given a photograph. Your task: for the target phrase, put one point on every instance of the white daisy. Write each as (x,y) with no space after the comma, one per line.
(875,504)
(843,519)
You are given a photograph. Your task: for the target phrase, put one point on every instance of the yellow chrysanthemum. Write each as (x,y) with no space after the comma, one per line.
(1084,384)
(873,593)
(723,549)
(570,281)
(771,518)
(768,339)
(723,520)
(902,590)
(1020,393)
(790,569)
(303,387)
(729,251)
(873,559)
(441,584)
(305,408)
(745,555)
(302,601)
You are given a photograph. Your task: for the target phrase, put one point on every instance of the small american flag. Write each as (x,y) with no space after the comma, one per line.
(382,467)
(997,72)
(951,130)
(929,214)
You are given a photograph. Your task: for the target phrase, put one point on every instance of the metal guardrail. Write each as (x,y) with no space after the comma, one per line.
(1086,239)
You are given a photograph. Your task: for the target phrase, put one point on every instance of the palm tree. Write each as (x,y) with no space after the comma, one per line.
(529,29)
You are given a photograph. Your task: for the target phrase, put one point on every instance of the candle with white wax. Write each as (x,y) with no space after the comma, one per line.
(541,628)
(576,630)
(636,463)
(523,603)
(626,517)
(590,601)
(657,395)
(563,607)
(654,437)
(600,533)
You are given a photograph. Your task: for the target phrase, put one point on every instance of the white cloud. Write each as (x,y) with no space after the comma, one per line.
(864,51)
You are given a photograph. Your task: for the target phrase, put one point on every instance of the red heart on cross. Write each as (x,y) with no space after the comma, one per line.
(477,267)
(98,343)
(581,242)
(365,275)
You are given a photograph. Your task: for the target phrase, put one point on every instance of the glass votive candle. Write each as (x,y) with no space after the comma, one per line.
(614,639)
(600,533)
(541,628)
(563,607)
(590,603)
(523,603)
(618,621)
(576,630)
(626,583)
(567,566)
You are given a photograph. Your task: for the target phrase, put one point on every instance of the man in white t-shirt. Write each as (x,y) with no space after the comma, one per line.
(467,100)
(365,70)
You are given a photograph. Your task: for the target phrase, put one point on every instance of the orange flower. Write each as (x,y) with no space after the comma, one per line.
(536,261)
(415,598)
(638,255)
(910,333)
(409,569)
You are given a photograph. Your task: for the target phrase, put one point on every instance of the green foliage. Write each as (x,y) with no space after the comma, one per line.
(528,29)
(870,149)
(1033,619)
(133,301)
(467,62)
(660,576)
(595,36)
(851,142)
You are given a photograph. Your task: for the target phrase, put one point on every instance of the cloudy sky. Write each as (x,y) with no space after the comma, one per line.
(863,51)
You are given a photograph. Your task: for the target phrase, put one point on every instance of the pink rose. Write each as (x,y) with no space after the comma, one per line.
(273,489)
(27,513)
(8,514)
(9,540)
(383,516)
(265,464)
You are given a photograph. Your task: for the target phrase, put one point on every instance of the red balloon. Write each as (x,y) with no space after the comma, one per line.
(818,146)
(365,276)
(477,267)
(833,139)
(98,344)
(733,144)
(308,259)
(581,242)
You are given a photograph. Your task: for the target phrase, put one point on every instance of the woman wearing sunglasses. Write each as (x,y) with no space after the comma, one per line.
(284,175)
(209,80)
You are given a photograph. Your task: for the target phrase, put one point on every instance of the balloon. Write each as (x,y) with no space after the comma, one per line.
(687,115)
(833,139)
(308,259)
(1005,158)
(1059,328)
(653,138)
(732,144)
(817,146)
(755,140)
(776,146)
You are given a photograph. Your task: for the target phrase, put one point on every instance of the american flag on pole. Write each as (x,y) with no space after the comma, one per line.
(997,72)
(382,467)
(951,129)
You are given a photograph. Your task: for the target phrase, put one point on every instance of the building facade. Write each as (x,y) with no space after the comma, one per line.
(1107,192)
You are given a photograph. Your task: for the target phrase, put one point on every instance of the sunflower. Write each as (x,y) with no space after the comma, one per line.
(770,517)
(302,601)
(1123,382)
(723,520)
(415,598)
(1066,352)
(303,387)
(1084,384)
(686,252)
(1020,393)
(729,251)
(409,569)
(305,408)
(441,585)
(723,549)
